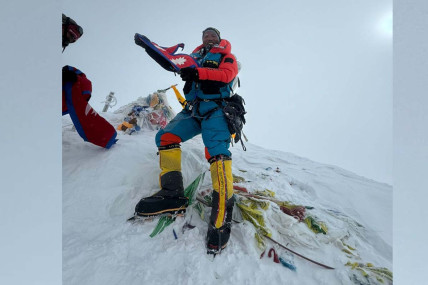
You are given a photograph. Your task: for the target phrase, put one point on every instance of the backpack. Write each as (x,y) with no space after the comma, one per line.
(234,111)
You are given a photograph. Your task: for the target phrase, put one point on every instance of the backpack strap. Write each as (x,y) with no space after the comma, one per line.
(208,114)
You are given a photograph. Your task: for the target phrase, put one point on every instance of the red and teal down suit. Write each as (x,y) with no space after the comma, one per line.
(215,77)
(219,68)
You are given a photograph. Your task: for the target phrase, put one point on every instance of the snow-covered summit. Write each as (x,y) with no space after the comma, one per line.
(101,188)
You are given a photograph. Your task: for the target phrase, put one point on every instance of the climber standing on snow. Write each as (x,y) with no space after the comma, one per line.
(205,89)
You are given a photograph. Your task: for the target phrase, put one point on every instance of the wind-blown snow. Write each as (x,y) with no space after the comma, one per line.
(101,188)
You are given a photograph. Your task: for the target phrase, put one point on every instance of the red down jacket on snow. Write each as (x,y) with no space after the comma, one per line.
(76,92)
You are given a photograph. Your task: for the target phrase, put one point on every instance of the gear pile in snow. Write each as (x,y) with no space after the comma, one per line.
(152,112)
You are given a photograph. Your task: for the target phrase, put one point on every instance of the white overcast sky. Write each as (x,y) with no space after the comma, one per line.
(316,75)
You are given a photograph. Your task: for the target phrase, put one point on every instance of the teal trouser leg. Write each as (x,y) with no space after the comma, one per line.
(216,135)
(183,125)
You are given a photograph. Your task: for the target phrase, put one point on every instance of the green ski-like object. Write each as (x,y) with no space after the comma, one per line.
(189,192)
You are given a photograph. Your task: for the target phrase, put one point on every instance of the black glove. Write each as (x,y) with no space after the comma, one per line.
(138,41)
(71,31)
(68,75)
(189,74)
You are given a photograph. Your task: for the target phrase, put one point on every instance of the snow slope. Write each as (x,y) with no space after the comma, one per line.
(101,188)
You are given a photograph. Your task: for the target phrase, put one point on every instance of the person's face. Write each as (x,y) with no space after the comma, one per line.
(210,38)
